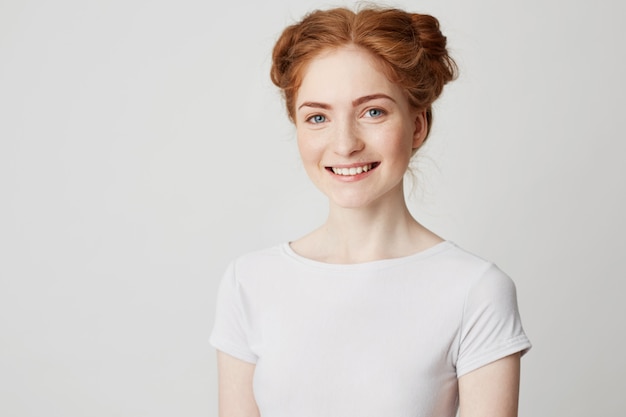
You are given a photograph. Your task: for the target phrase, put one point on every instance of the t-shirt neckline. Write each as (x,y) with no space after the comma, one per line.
(380,263)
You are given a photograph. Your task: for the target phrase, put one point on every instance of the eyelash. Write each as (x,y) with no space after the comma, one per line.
(312,119)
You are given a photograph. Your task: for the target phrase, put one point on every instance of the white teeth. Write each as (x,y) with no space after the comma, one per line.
(352,171)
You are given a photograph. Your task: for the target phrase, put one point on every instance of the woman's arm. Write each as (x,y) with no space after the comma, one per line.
(492,390)
(236,398)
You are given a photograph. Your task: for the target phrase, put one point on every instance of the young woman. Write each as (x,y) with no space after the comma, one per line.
(372,314)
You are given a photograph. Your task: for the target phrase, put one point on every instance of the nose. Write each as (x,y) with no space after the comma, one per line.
(347,140)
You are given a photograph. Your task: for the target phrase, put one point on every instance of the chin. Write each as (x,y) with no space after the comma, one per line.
(365,197)
(350,205)
(351,202)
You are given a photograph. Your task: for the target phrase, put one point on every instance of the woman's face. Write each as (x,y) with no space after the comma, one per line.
(356,131)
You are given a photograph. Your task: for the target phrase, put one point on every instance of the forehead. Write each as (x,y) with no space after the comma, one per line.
(344,73)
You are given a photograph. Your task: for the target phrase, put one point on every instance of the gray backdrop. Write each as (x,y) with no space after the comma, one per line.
(142,147)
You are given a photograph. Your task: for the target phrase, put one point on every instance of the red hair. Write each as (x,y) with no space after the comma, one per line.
(410,47)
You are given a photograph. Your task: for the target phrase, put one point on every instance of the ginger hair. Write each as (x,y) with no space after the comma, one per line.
(410,47)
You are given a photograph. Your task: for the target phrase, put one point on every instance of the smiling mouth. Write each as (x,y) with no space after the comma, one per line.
(356,170)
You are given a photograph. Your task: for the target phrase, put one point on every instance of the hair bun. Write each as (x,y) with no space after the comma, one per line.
(429,36)
(433,45)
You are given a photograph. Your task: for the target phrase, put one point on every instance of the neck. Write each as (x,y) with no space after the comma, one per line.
(378,231)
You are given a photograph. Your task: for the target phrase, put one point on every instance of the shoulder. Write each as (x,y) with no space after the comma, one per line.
(486,273)
(261,255)
(252,265)
(463,264)
(468,275)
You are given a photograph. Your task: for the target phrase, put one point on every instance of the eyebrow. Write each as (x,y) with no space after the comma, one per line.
(314,104)
(365,99)
(356,102)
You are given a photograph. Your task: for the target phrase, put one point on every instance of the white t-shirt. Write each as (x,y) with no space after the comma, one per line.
(381,338)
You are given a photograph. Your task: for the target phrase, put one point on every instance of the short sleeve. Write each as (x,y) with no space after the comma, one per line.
(230,330)
(491,327)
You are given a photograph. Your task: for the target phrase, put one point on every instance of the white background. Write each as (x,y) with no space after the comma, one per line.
(142,147)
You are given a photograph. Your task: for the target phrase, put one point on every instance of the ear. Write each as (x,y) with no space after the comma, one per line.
(421,129)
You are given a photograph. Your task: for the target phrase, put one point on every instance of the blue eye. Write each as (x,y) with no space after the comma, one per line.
(375,112)
(318,118)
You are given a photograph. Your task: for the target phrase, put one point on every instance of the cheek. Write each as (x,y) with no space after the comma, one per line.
(399,148)
(310,149)
(399,142)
